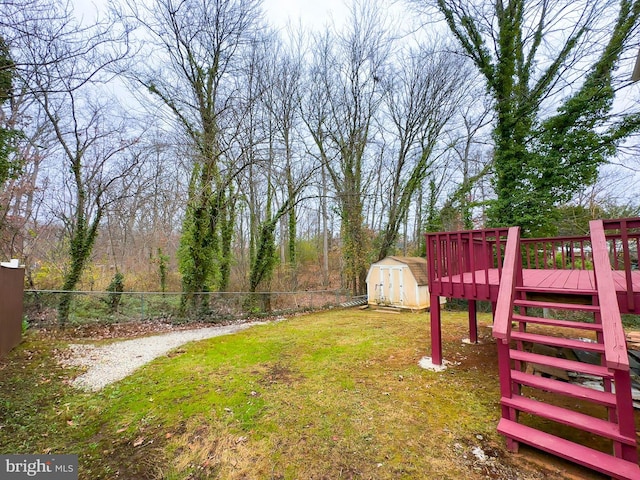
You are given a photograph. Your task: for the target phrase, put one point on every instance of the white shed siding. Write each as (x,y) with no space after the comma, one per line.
(392,282)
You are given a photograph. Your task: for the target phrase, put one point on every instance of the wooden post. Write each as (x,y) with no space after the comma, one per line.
(506,389)
(473,322)
(11,305)
(436,331)
(626,421)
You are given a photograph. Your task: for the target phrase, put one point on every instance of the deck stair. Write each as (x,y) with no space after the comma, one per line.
(536,407)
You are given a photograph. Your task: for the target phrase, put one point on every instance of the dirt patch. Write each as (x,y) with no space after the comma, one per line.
(137,457)
(278,373)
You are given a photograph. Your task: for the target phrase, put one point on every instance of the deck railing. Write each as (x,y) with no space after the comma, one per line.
(615,345)
(623,240)
(572,252)
(614,338)
(456,253)
(511,353)
(475,252)
(511,277)
(576,252)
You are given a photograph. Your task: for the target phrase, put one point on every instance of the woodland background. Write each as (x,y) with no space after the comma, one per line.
(190,146)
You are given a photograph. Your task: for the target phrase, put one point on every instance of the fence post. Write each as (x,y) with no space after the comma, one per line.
(11,305)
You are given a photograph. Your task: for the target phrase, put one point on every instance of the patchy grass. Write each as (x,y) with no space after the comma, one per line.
(323,396)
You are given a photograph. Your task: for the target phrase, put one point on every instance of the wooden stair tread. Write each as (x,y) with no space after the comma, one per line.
(569,365)
(557,323)
(588,457)
(562,291)
(556,305)
(558,342)
(568,417)
(563,388)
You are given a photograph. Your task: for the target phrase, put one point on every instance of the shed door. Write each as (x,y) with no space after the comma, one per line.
(392,281)
(398,285)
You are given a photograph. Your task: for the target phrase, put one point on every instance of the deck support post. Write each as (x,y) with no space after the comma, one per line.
(626,421)
(473,322)
(436,333)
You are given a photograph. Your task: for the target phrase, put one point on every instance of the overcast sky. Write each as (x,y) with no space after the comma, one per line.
(312,13)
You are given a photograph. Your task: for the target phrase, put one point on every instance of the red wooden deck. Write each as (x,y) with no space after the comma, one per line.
(596,275)
(580,282)
(469,265)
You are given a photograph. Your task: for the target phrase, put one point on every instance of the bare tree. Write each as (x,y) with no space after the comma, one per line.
(421,100)
(281,98)
(344,96)
(192,51)
(94,151)
(469,163)
(273,180)
(63,68)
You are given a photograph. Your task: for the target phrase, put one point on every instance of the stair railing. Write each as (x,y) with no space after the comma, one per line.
(615,345)
(614,340)
(511,277)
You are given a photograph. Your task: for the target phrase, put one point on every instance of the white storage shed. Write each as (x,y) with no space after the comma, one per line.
(399,282)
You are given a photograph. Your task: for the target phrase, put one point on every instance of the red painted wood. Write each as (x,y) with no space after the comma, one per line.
(473,264)
(486,256)
(450,249)
(506,295)
(436,333)
(536,280)
(626,417)
(504,368)
(587,423)
(454,254)
(561,363)
(564,388)
(473,322)
(626,258)
(557,323)
(439,260)
(593,459)
(558,342)
(557,306)
(433,279)
(624,239)
(558,291)
(614,338)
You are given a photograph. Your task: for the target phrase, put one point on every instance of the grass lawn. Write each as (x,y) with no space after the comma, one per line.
(330,395)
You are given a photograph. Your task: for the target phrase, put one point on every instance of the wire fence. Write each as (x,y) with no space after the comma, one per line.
(40,306)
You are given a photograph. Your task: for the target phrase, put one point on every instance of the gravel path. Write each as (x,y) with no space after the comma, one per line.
(109,363)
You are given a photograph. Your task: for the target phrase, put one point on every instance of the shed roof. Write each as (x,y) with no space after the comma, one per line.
(418,267)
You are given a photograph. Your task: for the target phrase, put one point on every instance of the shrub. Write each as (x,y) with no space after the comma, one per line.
(116,287)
